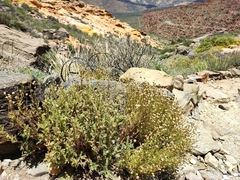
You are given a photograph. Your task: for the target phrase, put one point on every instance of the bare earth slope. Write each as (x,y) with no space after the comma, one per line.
(194,19)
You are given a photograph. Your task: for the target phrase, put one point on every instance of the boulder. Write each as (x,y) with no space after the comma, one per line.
(153,77)
(19,49)
(184,100)
(209,75)
(178,82)
(211,160)
(183,50)
(63,33)
(211,174)
(205,143)
(192,87)
(213,93)
(10,84)
(60,34)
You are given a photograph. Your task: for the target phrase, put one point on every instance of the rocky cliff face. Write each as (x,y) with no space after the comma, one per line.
(195,19)
(85,17)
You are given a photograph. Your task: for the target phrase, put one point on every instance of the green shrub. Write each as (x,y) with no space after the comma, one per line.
(161,67)
(40,75)
(142,132)
(5,18)
(18,25)
(182,65)
(164,56)
(77,127)
(26,7)
(9,20)
(7,3)
(216,41)
(160,133)
(84,131)
(217,62)
(167,49)
(185,42)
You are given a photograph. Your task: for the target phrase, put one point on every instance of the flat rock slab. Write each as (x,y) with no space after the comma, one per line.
(19,49)
(10,83)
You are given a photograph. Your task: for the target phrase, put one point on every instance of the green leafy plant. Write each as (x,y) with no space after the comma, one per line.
(86,131)
(216,41)
(11,21)
(5,18)
(185,42)
(75,127)
(161,67)
(160,133)
(7,3)
(141,132)
(40,75)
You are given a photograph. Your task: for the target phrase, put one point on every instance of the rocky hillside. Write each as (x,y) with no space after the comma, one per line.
(123,6)
(195,19)
(85,17)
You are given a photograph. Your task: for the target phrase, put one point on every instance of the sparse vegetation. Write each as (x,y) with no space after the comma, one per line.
(7,19)
(184,41)
(111,57)
(213,61)
(35,72)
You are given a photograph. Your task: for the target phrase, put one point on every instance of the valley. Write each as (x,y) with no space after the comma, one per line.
(130,6)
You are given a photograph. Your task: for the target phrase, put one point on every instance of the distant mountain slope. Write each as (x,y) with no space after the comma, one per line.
(118,6)
(194,19)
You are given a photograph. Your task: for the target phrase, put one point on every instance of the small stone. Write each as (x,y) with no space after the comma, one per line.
(218,156)
(1,169)
(225,177)
(224,151)
(188,169)
(192,176)
(222,167)
(6,162)
(53,169)
(231,159)
(193,161)
(211,174)
(39,170)
(195,114)
(205,143)
(229,166)
(211,160)
(3,175)
(178,82)
(236,174)
(223,107)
